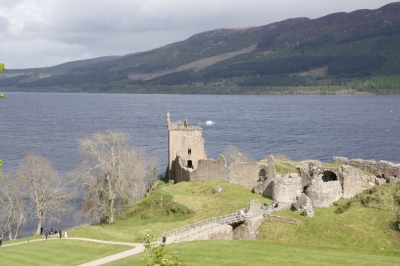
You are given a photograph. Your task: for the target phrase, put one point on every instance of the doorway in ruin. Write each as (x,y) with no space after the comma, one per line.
(189,164)
(329,176)
(262,175)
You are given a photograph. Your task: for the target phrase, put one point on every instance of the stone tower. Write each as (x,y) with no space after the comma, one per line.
(185,141)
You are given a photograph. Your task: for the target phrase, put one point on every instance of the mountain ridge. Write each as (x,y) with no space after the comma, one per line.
(297,45)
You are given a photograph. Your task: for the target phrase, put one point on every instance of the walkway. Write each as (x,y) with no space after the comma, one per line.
(184,231)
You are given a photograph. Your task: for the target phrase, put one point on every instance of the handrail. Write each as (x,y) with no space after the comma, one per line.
(207,224)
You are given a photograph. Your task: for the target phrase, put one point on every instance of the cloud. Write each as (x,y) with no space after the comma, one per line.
(38,33)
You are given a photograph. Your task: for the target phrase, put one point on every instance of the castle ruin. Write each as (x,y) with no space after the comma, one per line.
(323,185)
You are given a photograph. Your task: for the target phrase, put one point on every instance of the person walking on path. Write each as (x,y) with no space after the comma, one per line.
(66,234)
(46,234)
(60,233)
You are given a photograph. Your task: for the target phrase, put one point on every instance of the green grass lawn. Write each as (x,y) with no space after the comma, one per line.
(57,252)
(200,253)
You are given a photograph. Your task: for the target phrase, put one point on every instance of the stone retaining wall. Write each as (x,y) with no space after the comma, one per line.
(280,219)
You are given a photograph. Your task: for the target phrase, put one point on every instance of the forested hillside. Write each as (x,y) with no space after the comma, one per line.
(352,53)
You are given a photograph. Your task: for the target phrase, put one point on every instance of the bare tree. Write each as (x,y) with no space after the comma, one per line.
(44,188)
(112,175)
(231,151)
(12,206)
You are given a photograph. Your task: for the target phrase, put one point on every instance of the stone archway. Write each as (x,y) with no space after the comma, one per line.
(329,176)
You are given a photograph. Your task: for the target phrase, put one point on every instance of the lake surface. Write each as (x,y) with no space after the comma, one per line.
(301,127)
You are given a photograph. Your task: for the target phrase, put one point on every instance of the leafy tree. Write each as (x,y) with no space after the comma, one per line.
(44,188)
(157,255)
(112,175)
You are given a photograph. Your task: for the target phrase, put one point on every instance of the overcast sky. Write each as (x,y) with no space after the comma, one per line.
(40,33)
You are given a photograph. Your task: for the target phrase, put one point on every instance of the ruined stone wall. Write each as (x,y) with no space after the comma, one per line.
(244,174)
(377,168)
(280,219)
(286,188)
(324,194)
(211,170)
(181,173)
(351,181)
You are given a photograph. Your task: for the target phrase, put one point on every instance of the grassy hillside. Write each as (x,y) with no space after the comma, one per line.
(172,207)
(341,53)
(358,236)
(355,233)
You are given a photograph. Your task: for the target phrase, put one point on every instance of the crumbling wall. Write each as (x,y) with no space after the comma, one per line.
(211,169)
(323,194)
(270,176)
(244,174)
(286,188)
(241,173)
(377,168)
(351,181)
(181,173)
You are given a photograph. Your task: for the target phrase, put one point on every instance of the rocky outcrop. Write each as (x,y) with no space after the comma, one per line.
(302,202)
(308,212)
(249,229)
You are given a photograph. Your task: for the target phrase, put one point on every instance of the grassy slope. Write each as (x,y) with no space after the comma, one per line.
(197,196)
(359,236)
(56,252)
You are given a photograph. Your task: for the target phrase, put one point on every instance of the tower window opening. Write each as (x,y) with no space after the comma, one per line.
(189,151)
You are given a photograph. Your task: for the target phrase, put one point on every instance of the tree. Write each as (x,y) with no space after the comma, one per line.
(157,254)
(44,188)
(12,206)
(112,175)
(232,151)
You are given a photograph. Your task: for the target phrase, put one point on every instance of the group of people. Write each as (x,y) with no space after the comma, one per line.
(239,214)
(273,205)
(59,233)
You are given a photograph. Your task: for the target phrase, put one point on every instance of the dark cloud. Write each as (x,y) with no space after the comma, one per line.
(37,33)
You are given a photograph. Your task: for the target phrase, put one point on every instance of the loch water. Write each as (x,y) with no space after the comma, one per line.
(301,127)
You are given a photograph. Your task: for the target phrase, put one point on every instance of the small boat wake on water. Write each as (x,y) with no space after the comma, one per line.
(209,123)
